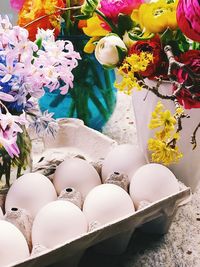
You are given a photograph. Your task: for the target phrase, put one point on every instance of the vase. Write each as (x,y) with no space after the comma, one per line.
(187,169)
(12,168)
(93,97)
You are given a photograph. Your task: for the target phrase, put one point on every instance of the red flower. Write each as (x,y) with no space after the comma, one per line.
(152,46)
(191,59)
(32,10)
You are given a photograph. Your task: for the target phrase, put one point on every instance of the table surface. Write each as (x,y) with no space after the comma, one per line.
(180,247)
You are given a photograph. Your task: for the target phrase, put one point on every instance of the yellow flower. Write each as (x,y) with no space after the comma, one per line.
(164,153)
(156,17)
(164,119)
(90,46)
(132,64)
(164,143)
(95,31)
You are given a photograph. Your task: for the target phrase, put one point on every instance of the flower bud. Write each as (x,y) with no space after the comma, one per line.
(110,50)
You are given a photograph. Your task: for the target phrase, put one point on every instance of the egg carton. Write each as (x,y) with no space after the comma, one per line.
(73,139)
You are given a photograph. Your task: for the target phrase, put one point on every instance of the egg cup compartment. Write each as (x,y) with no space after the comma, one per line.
(70,253)
(74,138)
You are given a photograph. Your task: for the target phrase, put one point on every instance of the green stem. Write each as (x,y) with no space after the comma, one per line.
(106,91)
(109,22)
(66,17)
(1,171)
(98,104)
(109,90)
(7,171)
(19,170)
(71,108)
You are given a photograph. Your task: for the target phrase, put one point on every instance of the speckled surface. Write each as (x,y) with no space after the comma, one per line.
(180,247)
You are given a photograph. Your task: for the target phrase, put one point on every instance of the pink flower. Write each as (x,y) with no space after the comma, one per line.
(6,97)
(112,8)
(17,4)
(9,128)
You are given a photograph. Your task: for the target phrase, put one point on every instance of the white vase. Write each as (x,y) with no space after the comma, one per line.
(144,102)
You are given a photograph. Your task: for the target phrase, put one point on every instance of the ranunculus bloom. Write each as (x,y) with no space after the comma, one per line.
(156,17)
(188,13)
(106,51)
(190,58)
(112,8)
(32,10)
(152,46)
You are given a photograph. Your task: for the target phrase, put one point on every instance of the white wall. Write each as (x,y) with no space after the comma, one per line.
(6,9)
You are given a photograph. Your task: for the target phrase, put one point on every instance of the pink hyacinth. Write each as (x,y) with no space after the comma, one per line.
(112,8)
(17,4)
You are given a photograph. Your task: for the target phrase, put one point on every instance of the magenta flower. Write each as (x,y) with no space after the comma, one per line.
(112,8)
(17,4)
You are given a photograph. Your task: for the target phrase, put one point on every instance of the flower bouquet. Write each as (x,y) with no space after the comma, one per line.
(93,96)
(155,48)
(25,68)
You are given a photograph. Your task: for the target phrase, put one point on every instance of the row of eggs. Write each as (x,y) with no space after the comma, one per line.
(57,221)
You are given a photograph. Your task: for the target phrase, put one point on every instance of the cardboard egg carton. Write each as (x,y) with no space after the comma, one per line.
(73,139)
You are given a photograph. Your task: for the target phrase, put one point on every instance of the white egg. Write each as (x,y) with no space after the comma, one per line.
(31,192)
(106,203)
(122,159)
(76,173)
(152,182)
(57,223)
(13,246)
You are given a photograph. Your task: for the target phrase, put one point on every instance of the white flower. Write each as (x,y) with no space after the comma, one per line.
(45,35)
(110,50)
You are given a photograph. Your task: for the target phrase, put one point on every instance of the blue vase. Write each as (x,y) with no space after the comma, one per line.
(93,97)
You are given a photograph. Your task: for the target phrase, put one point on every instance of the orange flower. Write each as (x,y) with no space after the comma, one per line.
(34,9)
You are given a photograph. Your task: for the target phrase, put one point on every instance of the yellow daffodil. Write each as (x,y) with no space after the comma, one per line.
(156,17)
(95,31)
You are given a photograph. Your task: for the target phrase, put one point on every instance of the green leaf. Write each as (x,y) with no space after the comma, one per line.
(125,23)
(182,41)
(121,53)
(39,43)
(139,36)
(80,17)
(89,7)
(167,36)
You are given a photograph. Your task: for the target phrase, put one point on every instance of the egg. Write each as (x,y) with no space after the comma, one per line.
(13,246)
(106,203)
(30,192)
(124,159)
(76,173)
(152,182)
(57,223)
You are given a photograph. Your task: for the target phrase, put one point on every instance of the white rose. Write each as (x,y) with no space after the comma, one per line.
(110,50)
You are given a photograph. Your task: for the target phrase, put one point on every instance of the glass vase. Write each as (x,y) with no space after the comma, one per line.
(93,97)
